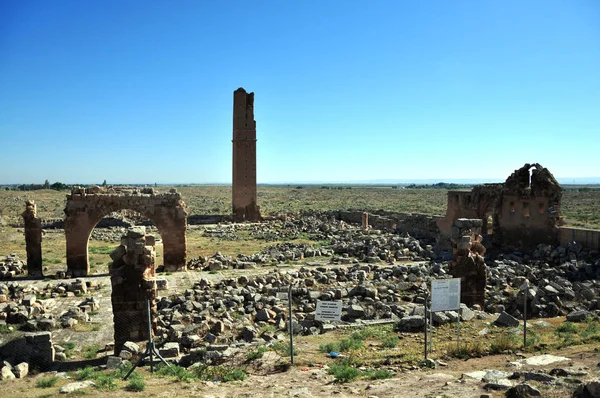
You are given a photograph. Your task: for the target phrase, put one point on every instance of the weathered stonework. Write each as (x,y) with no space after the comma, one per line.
(468,263)
(33,239)
(244,201)
(132,275)
(87,206)
(521,213)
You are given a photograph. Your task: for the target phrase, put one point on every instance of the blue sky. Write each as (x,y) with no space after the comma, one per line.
(141,91)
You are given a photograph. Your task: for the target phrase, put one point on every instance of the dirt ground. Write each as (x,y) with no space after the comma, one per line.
(314,381)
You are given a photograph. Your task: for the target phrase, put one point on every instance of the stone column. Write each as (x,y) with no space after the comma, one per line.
(33,239)
(365,221)
(132,276)
(468,262)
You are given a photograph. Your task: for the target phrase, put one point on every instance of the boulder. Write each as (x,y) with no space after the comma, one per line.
(505,319)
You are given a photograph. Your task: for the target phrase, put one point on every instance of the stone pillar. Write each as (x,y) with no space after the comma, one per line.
(365,221)
(33,239)
(243,185)
(132,276)
(468,263)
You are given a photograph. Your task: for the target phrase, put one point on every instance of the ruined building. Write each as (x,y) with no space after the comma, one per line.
(521,213)
(245,207)
(87,206)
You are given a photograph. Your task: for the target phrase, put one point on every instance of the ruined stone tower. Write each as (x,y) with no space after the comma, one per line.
(244,158)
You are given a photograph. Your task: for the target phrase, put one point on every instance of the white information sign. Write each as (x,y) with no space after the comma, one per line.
(445,294)
(282,295)
(329,310)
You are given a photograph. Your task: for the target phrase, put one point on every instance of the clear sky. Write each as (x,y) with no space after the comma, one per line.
(142,91)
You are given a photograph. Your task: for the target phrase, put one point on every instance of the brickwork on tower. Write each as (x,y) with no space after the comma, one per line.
(244,202)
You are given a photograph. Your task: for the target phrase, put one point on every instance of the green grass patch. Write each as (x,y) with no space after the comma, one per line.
(343,372)
(504,342)
(256,354)
(376,374)
(46,382)
(390,342)
(90,351)
(178,372)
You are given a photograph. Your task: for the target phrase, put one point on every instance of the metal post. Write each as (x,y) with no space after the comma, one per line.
(425,317)
(150,339)
(430,329)
(291,326)
(458,331)
(525,319)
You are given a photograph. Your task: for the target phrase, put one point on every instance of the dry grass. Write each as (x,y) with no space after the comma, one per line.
(579,207)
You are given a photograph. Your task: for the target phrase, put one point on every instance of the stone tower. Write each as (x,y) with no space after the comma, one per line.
(244,158)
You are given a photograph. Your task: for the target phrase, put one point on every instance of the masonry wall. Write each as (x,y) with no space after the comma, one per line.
(420,226)
(589,238)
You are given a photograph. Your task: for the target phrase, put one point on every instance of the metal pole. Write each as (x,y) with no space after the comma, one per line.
(425,316)
(458,331)
(150,339)
(291,326)
(430,328)
(525,319)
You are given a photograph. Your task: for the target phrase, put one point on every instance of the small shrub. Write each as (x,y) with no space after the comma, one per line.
(390,342)
(86,373)
(464,351)
(343,372)
(257,354)
(136,384)
(329,347)
(234,375)
(502,343)
(567,327)
(379,374)
(106,381)
(354,342)
(283,349)
(178,372)
(90,352)
(46,382)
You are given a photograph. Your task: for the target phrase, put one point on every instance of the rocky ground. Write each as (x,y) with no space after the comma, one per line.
(227,306)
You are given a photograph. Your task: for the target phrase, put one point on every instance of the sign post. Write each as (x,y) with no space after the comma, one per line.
(328,311)
(291,326)
(445,296)
(525,288)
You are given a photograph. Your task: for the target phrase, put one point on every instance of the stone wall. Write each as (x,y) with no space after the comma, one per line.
(132,275)
(420,226)
(87,206)
(37,349)
(589,238)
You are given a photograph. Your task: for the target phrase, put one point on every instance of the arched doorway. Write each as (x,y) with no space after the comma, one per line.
(87,206)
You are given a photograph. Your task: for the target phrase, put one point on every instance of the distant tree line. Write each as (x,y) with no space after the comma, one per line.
(439,185)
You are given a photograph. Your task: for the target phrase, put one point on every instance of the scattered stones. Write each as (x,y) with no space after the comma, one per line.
(523,390)
(72,387)
(505,319)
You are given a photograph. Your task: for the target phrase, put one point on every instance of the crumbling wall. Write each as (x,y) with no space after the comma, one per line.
(37,349)
(468,263)
(420,226)
(244,200)
(529,210)
(33,239)
(132,275)
(524,210)
(87,206)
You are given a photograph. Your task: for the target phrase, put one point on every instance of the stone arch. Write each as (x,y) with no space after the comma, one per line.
(87,206)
